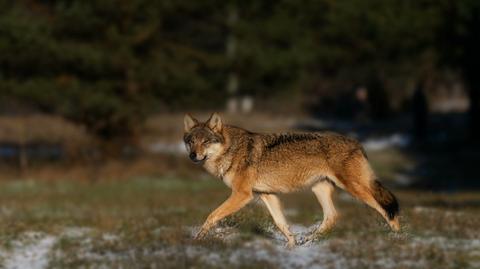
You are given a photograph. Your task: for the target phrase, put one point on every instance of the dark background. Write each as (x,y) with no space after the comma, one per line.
(94,82)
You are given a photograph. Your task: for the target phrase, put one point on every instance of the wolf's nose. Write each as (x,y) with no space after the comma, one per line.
(193,156)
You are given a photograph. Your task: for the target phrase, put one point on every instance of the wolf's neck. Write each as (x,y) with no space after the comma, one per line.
(223,163)
(219,165)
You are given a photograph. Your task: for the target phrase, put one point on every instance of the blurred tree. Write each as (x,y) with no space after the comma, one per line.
(108,64)
(420,113)
(459,44)
(372,43)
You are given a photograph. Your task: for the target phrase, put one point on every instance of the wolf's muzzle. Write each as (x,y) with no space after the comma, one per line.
(193,156)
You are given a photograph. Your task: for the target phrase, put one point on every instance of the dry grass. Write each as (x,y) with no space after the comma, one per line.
(41,128)
(110,169)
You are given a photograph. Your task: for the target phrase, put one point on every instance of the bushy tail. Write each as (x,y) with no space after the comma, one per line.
(386,199)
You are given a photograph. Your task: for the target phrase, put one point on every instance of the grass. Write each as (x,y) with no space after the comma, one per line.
(149,222)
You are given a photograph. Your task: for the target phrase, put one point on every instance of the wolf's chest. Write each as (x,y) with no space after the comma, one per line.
(221,170)
(227,179)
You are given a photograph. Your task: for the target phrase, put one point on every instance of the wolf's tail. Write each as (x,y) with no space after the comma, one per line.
(386,199)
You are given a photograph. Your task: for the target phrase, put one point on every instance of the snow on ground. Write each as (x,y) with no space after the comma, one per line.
(30,252)
(433,210)
(76,232)
(380,143)
(177,148)
(269,250)
(321,254)
(34,250)
(317,255)
(403,179)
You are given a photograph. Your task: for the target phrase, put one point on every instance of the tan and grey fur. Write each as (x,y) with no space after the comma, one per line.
(268,164)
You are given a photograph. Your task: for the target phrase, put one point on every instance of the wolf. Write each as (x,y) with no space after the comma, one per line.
(265,165)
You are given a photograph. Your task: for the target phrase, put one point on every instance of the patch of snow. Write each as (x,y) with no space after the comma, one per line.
(432,210)
(262,250)
(76,232)
(109,237)
(448,243)
(274,252)
(395,140)
(226,233)
(32,254)
(105,256)
(313,256)
(34,250)
(208,257)
(168,148)
(320,254)
(301,231)
(403,180)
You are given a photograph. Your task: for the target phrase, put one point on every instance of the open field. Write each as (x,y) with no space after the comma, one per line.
(149,222)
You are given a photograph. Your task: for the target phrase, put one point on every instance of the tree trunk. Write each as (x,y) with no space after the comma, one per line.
(471,65)
(231,51)
(474,111)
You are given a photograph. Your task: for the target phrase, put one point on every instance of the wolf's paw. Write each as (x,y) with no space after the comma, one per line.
(308,239)
(200,235)
(291,244)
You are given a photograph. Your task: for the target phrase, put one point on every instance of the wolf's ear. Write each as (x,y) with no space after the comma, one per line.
(215,122)
(189,122)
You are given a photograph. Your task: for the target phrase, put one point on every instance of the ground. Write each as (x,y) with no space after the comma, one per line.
(149,222)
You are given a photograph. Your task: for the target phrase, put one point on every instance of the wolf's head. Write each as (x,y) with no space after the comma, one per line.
(203,140)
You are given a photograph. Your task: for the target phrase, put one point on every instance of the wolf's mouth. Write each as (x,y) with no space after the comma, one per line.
(200,161)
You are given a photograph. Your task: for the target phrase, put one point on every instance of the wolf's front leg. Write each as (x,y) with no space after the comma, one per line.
(235,202)
(275,208)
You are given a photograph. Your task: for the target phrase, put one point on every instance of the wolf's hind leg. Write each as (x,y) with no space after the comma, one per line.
(358,178)
(323,190)
(382,200)
(362,185)
(275,208)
